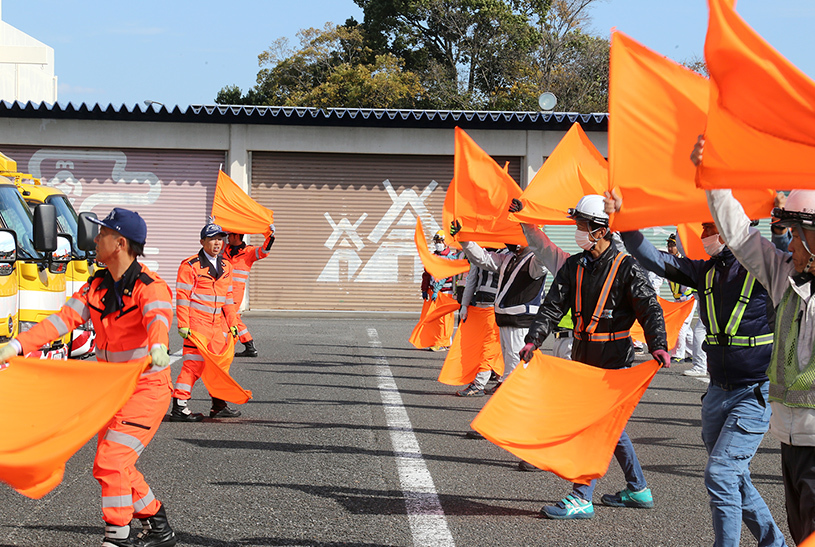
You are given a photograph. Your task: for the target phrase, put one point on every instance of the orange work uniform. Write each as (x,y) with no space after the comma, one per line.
(204,304)
(130,317)
(242,257)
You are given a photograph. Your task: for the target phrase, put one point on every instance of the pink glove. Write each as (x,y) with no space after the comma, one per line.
(662,357)
(527,351)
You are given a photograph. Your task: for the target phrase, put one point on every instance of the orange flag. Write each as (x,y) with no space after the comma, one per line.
(536,416)
(432,328)
(690,236)
(759,130)
(482,194)
(216,371)
(236,212)
(657,109)
(675,314)
(475,342)
(438,266)
(574,169)
(35,439)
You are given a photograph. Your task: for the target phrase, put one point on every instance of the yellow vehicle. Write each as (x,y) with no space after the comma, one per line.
(42,260)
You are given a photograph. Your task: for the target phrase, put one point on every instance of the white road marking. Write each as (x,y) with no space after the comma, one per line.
(427,521)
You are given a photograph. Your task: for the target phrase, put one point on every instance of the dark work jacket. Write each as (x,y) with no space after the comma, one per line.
(732,365)
(631,298)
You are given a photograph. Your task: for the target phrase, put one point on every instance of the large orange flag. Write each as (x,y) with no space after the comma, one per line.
(438,266)
(435,326)
(475,342)
(216,371)
(657,109)
(35,439)
(483,192)
(236,212)
(675,314)
(574,169)
(691,238)
(536,416)
(759,130)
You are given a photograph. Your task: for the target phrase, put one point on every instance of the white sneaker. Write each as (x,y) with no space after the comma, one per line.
(695,372)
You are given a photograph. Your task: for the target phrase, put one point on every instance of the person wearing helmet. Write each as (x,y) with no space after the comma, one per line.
(606,291)
(733,309)
(431,287)
(683,293)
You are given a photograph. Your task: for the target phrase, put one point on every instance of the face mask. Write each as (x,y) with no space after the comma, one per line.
(439,247)
(583,240)
(712,245)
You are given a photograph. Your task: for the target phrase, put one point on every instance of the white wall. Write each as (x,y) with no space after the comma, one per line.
(26,67)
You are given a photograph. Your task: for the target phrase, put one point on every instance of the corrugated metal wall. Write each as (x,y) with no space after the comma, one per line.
(345,228)
(171,189)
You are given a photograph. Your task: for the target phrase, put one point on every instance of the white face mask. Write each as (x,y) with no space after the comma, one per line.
(583,240)
(712,244)
(439,247)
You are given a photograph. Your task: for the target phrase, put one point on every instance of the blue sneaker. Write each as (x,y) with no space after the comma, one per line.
(570,507)
(628,498)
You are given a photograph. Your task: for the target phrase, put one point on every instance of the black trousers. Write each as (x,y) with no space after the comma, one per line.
(798,471)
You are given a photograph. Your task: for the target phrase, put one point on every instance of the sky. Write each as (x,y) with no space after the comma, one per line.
(182,52)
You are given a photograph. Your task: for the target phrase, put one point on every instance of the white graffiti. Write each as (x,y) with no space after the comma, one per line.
(343,237)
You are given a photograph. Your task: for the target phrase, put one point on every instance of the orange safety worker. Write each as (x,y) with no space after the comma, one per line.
(204,304)
(131,310)
(242,256)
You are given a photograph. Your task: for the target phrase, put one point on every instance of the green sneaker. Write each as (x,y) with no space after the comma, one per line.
(628,498)
(570,507)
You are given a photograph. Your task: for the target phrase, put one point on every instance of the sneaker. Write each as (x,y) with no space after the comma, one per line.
(493,389)
(695,372)
(470,391)
(524,465)
(570,507)
(225,412)
(628,498)
(437,348)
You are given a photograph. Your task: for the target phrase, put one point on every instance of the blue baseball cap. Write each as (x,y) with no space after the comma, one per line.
(212,230)
(127,223)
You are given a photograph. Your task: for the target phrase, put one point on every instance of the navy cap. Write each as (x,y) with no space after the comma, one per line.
(212,230)
(127,223)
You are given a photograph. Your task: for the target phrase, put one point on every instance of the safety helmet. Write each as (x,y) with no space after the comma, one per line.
(799,209)
(591,208)
(672,239)
(438,236)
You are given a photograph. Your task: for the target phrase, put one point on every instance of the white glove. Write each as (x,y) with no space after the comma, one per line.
(462,313)
(7,352)
(184,332)
(271,227)
(160,356)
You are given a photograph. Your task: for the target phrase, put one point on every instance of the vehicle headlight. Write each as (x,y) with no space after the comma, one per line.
(26,325)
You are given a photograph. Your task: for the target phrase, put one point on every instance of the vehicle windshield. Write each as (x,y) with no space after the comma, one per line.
(67,221)
(15,215)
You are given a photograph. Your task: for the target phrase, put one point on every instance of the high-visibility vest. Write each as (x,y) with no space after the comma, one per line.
(788,385)
(585,332)
(727,336)
(678,293)
(486,288)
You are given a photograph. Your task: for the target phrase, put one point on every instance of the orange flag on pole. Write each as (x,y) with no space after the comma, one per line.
(434,327)
(216,371)
(657,108)
(536,416)
(35,440)
(675,314)
(438,266)
(482,194)
(236,212)
(475,342)
(575,168)
(759,130)
(690,236)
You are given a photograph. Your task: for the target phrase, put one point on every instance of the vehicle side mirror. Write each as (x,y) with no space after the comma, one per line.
(8,252)
(62,256)
(86,232)
(45,228)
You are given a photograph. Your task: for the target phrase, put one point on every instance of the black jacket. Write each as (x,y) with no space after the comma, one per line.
(631,298)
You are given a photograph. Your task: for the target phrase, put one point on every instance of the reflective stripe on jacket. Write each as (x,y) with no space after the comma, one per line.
(203,293)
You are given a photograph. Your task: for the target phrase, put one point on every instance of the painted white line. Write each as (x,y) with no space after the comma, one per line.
(425,515)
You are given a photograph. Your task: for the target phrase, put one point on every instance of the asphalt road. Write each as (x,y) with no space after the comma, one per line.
(313,460)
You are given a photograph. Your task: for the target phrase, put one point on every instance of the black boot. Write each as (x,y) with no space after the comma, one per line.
(248,350)
(181,413)
(156,532)
(220,410)
(117,536)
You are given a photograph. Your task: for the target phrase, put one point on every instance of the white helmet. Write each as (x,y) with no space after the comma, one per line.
(591,208)
(799,209)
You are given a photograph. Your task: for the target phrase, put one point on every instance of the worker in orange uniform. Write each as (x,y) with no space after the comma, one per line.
(204,304)
(131,310)
(242,256)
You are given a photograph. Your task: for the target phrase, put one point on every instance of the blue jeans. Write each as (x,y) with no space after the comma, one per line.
(629,463)
(733,424)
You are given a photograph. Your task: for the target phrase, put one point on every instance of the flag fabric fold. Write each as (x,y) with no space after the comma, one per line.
(35,440)
(536,416)
(475,342)
(435,326)
(234,211)
(675,314)
(437,266)
(216,371)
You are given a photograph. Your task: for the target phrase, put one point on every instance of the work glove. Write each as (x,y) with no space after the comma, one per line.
(434,295)
(516,206)
(184,332)
(425,296)
(526,352)
(161,358)
(234,331)
(271,227)
(7,352)
(462,313)
(455,227)
(662,357)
